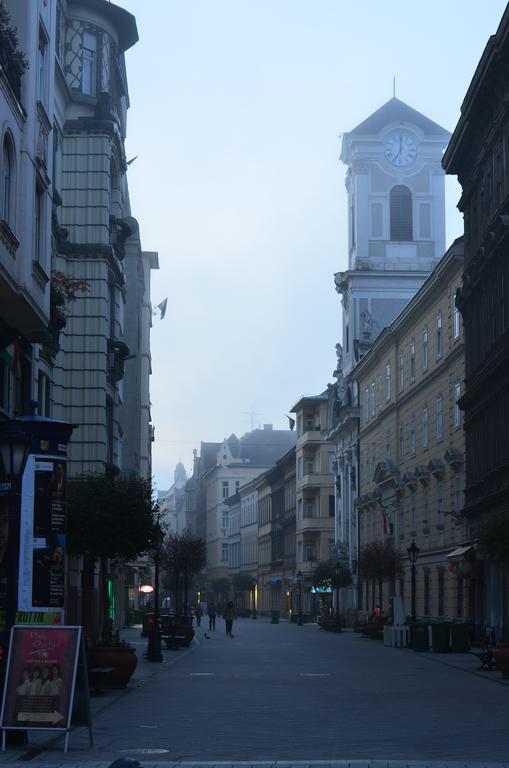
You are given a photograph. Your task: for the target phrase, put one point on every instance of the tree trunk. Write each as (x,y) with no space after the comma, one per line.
(380,594)
(185,593)
(106,633)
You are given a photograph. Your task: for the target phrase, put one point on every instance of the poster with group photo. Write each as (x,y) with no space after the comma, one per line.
(41,676)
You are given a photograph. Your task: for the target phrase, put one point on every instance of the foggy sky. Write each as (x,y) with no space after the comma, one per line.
(237,107)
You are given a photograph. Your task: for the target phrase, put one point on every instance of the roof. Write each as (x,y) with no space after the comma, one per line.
(310,398)
(123,21)
(396,111)
(263,447)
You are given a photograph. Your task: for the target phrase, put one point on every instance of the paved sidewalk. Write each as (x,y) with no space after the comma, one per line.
(275,693)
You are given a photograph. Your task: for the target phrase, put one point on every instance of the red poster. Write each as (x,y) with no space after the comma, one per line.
(40,677)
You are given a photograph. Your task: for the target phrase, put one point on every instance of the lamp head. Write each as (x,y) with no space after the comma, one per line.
(413,553)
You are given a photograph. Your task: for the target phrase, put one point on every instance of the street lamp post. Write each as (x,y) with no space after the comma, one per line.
(154,639)
(337,569)
(14,448)
(299,585)
(253,590)
(413,554)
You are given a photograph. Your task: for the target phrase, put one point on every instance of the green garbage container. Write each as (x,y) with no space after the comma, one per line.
(420,641)
(459,638)
(274,617)
(440,637)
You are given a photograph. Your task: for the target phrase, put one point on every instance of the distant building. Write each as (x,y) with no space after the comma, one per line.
(396,209)
(172,503)
(411,449)
(314,519)
(237,462)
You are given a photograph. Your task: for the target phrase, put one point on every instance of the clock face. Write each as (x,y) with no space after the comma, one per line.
(400,149)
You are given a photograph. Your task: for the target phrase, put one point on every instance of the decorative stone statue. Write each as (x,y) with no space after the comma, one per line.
(367,325)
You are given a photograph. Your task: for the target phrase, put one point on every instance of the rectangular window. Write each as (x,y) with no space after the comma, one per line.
(401,520)
(299,468)
(226,492)
(425,427)
(457,411)
(424,220)
(440,418)
(459,597)
(39,224)
(411,437)
(424,348)
(89,76)
(387,381)
(331,462)
(332,505)
(224,522)
(425,511)
(413,514)
(412,359)
(458,498)
(441,593)
(456,322)
(401,372)
(366,404)
(299,509)
(388,447)
(401,443)
(237,486)
(377,220)
(438,328)
(373,399)
(43,394)
(426,594)
(224,553)
(440,504)
(310,554)
(310,507)
(42,55)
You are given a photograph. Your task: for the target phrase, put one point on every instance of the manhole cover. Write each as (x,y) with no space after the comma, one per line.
(144,751)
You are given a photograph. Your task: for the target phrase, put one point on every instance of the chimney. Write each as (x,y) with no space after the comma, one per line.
(268,427)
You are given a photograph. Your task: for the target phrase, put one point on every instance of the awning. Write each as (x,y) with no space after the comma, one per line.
(460,552)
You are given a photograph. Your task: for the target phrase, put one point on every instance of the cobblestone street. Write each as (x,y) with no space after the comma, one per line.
(288,693)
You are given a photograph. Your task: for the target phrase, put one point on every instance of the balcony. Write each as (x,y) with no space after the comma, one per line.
(315,480)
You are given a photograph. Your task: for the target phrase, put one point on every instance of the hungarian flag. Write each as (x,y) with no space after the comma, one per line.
(10,356)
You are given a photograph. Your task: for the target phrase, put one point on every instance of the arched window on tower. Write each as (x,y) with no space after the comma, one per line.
(401,213)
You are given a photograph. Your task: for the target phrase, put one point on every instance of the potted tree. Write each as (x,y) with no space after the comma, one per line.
(183,555)
(493,540)
(110,518)
(327,577)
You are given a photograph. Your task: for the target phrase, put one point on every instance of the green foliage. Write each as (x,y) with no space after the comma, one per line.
(111,517)
(380,561)
(10,32)
(325,575)
(184,553)
(220,585)
(242,582)
(493,536)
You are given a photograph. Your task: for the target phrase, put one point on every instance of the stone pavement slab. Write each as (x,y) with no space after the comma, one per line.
(275,693)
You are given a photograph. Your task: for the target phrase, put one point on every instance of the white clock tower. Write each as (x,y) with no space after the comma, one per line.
(396,211)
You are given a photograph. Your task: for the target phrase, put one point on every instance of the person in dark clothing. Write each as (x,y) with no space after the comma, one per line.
(229,615)
(212,613)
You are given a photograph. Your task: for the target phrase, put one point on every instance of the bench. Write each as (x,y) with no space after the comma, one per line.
(175,634)
(485,656)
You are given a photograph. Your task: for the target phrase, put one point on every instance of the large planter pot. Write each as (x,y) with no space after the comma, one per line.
(121,660)
(501,655)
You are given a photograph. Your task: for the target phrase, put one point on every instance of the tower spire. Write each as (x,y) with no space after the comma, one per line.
(394,87)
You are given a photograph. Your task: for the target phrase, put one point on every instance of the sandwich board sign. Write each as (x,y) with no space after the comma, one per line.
(46,687)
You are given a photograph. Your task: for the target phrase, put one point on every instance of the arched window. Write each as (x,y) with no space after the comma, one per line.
(7,180)
(401,214)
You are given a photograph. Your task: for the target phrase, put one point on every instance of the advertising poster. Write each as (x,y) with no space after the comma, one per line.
(41,675)
(42,536)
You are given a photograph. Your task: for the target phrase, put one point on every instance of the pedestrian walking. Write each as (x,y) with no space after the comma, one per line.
(198,613)
(212,613)
(229,616)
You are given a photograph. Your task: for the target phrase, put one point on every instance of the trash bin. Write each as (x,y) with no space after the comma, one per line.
(440,637)
(420,639)
(274,618)
(147,624)
(459,638)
